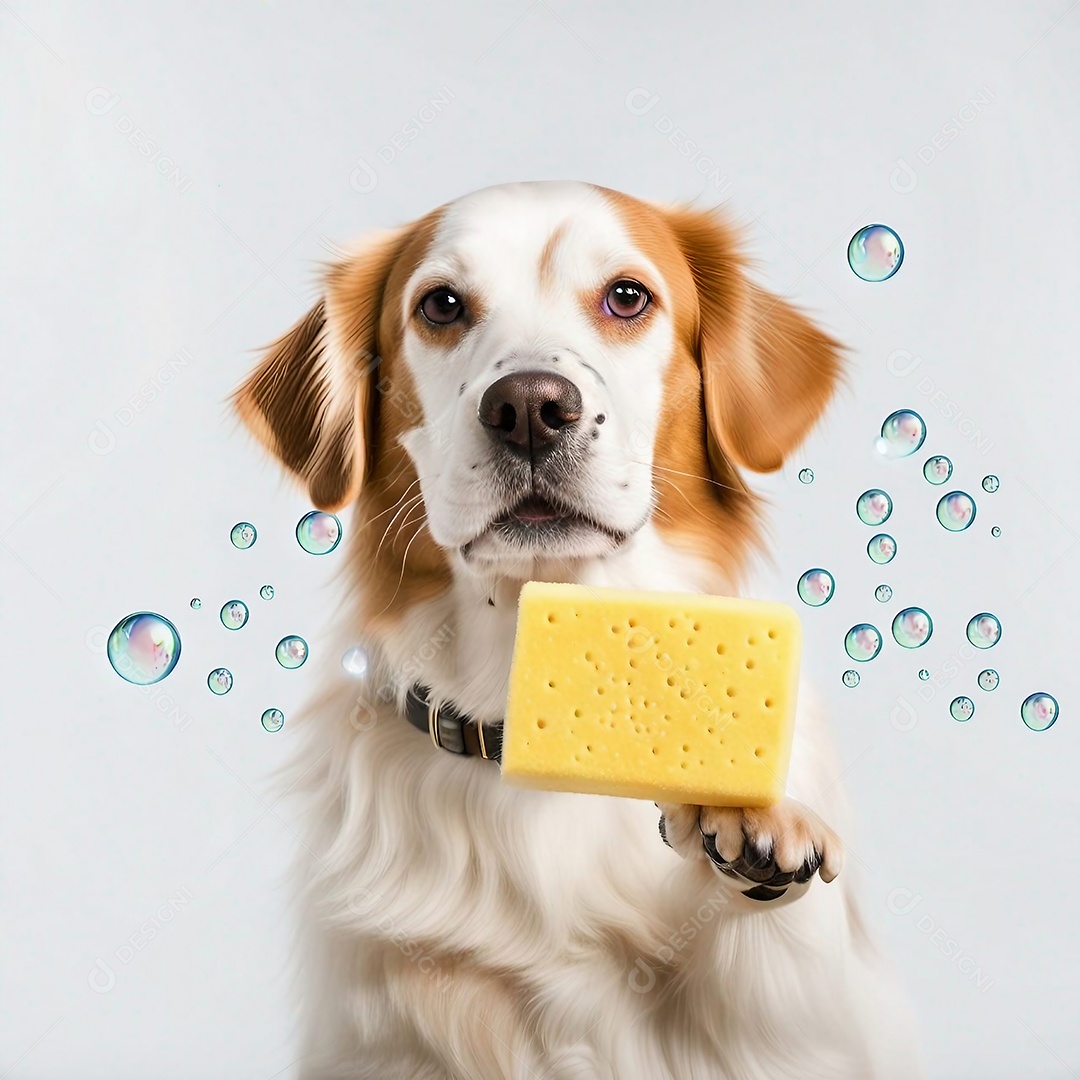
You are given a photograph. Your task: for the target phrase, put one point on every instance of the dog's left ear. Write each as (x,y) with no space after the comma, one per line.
(310,400)
(767,371)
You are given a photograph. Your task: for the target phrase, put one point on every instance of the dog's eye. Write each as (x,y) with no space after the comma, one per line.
(626,299)
(441,306)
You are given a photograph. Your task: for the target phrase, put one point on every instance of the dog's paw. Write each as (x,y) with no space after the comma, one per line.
(769,849)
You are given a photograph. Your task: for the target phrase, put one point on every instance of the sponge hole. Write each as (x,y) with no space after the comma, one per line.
(551,616)
(721,649)
(772,635)
(541,724)
(768,703)
(749,665)
(759,752)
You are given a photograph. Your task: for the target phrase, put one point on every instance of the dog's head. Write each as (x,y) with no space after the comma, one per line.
(532,375)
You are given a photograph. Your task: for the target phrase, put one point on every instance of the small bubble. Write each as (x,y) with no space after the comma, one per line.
(196,603)
(273,719)
(881,549)
(234,614)
(990,483)
(318,533)
(267,592)
(875,253)
(912,627)
(983,630)
(989,679)
(1039,711)
(851,677)
(924,674)
(995,531)
(220,681)
(873,507)
(143,648)
(862,642)
(902,433)
(816,587)
(243,535)
(355,662)
(937,469)
(962,709)
(806,476)
(291,652)
(956,511)
(883,593)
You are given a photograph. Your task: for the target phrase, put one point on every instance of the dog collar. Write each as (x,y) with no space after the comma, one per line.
(450,729)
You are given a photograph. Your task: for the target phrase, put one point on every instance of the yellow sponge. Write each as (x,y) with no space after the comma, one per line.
(673,697)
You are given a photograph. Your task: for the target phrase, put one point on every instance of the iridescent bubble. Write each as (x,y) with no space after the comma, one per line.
(816,587)
(937,469)
(983,630)
(806,476)
(873,507)
(220,680)
(273,719)
(291,652)
(267,592)
(851,677)
(243,535)
(902,434)
(991,483)
(355,662)
(956,511)
(875,253)
(143,648)
(995,531)
(1039,711)
(912,627)
(883,593)
(196,603)
(881,548)
(234,614)
(862,642)
(318,533)
(924,674)
(962,709)
(989,679)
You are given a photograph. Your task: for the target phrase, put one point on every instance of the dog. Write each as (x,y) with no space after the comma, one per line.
(556,382)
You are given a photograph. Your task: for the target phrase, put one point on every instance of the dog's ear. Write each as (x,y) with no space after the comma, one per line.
(310,401)
(767,371)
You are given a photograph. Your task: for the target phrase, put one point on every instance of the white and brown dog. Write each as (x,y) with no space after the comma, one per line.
(554,382)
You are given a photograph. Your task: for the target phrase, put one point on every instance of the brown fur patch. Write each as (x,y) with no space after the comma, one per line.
(547,256)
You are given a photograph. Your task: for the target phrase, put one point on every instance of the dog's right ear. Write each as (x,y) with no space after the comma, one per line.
(310,400)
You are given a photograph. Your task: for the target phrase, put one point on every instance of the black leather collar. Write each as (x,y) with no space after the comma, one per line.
(451,730)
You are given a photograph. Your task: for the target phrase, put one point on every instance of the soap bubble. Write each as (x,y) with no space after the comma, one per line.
(1039,711)
(912,627)
(234,614)
(220,681)
(267,592)
(883,593)
(924,674)
(937,469)
(902,434)
(983,630)
(989,679)
(355,662)
(956,511)
(273,719)
(291,652)
(851,677)
(196,603)
(995,531)
(991,483)
(862,642)
(806,476)
(875,253)
(143,648)
(816,587)
(873,507)
(318,533)
(243,535)
(881,548)
(962,709)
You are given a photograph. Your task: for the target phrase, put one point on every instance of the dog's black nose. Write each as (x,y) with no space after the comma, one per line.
(530,411)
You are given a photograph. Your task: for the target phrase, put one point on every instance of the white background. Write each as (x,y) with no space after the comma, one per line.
(118,495)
